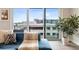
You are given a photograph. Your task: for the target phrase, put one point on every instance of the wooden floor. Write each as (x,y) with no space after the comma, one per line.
(57,45)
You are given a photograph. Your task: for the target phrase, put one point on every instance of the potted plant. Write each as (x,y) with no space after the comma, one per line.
(68,26)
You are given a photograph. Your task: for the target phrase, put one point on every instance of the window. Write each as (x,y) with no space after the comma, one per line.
(48,28)
(54,28)
(52,15)
(53,34)
(36,20)
(48,21)
(48,33)
(57,34)
(54,21)
(19,17)
(41,33)
(39,20)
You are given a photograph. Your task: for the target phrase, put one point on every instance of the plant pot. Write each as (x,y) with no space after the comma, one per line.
(64,41)
(67,40)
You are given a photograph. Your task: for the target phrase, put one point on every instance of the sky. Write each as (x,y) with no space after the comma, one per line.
(20,14)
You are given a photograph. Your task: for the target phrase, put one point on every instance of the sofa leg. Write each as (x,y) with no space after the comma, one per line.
(16,48)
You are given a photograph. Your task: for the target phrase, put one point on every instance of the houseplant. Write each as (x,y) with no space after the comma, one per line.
(68,26)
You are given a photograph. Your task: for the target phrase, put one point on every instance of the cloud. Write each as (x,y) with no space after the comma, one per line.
(51,15)
(38,15)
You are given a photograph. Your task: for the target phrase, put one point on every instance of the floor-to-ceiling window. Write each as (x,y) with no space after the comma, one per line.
(20,18)
(36,20)
(52,15)
(41,20)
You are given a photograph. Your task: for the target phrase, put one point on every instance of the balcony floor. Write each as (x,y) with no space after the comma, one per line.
(57,45)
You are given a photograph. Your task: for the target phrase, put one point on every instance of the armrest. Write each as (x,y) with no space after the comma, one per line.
(44,45)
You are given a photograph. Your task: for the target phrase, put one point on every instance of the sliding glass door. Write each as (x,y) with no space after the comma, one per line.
(19,18)
(52,15)
(36,20)
(41,20)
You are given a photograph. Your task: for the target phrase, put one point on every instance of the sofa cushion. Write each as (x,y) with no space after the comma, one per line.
(10,38)
(30,41)
(30,36)
(44,45)
(3,33)
(29,45)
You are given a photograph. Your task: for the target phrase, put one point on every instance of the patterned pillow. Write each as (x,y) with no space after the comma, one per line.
(10,38)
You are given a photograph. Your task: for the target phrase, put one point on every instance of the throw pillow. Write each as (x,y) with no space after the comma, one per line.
(10,38)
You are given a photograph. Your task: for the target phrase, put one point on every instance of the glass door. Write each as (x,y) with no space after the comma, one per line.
(36,20)
(52,15)
(19,19)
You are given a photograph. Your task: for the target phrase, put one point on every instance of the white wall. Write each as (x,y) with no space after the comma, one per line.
(65,12)
(6,24)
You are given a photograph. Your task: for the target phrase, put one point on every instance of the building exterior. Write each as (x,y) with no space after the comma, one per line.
(37,26)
